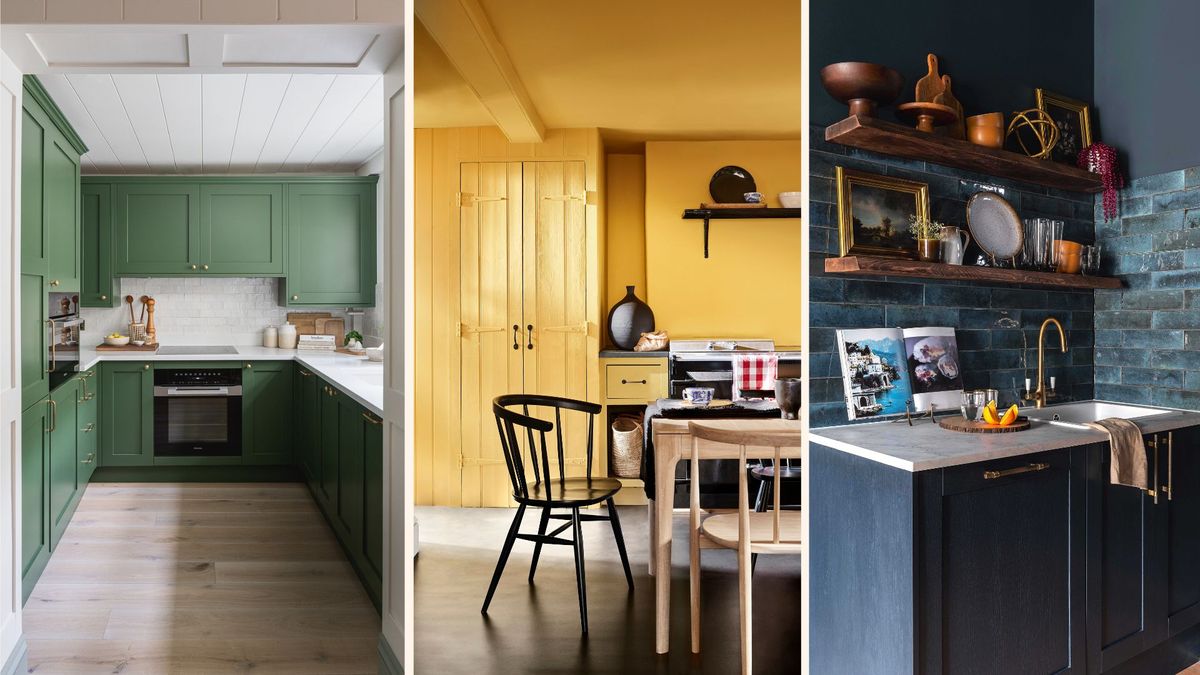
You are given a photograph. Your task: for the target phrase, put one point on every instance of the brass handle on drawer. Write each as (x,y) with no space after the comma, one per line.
(53,414)
(1170,487)
(305,374)
(295,297)
(193,267)
(371,418)
(249,365)
(204,266)
(89,428)
(146,367)
(89,459)
(55,282)
(633,381)
(103,297)
(1152,490)
(1028,468)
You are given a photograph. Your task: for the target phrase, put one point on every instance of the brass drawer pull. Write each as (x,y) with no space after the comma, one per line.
(90,427)
(89,459)
(1028,468)
(633,382)
(371,418)
(305,374)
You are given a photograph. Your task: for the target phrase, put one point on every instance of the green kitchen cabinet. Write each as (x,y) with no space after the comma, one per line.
(35,340)
(35,526)
(331,244)
(88,440)
(156,228)
(267,413)
(327,485)
(64,461)
(96,286)
(308,425)
(33,231)
(372,531)
(348,509)
(241,228)
(126,413)
(61,213)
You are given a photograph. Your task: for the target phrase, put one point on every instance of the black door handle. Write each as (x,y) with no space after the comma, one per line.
(530,337)
(633,382)
(515,329)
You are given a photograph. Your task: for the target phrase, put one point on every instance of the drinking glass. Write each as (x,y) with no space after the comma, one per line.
(973,401)
(1054,232)
(1089,260)
(1035,244)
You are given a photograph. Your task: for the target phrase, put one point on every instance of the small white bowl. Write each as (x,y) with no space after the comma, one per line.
(117,342)
(791,200)
(374,353)
(137,343)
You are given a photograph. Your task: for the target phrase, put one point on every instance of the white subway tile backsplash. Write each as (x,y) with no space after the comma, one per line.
(207,311)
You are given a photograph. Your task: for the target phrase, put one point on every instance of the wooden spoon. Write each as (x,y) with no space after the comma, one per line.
(144,299)
(129,299)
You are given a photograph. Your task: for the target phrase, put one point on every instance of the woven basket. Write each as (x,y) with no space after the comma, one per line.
(137,331)
(627,447)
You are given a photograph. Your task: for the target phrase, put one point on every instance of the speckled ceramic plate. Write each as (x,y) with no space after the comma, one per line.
(995,225)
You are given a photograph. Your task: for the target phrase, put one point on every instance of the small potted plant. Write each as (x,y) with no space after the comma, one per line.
(928,234)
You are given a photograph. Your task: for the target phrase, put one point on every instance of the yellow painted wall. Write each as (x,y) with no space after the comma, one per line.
(750,284)
(626,238)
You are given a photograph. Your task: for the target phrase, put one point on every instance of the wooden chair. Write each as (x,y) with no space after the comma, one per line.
(548,492)
(748,532)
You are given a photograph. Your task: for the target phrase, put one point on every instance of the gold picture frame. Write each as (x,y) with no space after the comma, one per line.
(892,240)
(1073,119)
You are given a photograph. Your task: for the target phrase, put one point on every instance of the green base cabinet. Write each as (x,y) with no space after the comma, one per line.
(372,533)
(327,484)
(64,460)
(88,451)
(308,438)
(331,244)
(126,413)
(267,412)
(35,501)
(97,284)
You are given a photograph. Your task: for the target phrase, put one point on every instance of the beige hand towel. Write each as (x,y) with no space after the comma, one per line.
(1128,465)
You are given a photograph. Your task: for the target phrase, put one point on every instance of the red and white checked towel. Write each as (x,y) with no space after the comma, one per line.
(754,372)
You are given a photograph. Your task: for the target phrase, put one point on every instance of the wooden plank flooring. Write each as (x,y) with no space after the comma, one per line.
(200,578)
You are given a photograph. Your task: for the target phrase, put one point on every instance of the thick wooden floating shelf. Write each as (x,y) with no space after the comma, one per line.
(736,214)
(894,267)
(888,138)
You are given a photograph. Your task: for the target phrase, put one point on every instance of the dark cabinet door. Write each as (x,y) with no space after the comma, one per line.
(348,516)
(1179,499)
(308,437)
(242,228)
(156,229)
(64,458)
(327,491)
(331,244)
(96,287)
(35,340)
(35,525)
(267,412)
(1001,563)
(61,213)
(372,535)
(127,414)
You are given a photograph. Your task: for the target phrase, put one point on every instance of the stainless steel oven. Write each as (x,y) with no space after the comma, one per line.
(64,324)
(198,413)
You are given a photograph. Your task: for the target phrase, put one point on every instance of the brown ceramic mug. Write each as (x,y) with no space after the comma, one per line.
(1068,255)
(986,129)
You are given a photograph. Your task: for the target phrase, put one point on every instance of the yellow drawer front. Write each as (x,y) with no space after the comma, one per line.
(641,383)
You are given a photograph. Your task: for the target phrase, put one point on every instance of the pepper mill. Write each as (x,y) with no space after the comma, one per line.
(151,333)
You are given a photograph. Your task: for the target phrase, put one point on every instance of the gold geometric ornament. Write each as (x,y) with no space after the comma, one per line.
(1038,125)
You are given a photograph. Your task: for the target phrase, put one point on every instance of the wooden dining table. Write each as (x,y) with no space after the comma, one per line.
(672,442)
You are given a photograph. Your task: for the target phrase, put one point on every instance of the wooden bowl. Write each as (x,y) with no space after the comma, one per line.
(862,85)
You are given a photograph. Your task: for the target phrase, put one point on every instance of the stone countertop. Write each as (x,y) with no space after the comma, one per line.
(926,445)
(622,354)
(357,376)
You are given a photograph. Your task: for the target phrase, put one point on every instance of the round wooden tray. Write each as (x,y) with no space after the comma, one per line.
(957,423)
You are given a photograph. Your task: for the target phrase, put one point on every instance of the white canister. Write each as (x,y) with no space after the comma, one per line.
(287,336)
(270,336)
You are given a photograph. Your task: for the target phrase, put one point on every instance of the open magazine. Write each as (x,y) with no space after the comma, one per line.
(888,370)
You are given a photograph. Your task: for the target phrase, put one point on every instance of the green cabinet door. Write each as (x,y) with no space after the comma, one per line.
(267,412)
(35,525)
(96,286)
(156,229)
(126,414)
(241,228)
(88,450)
(64,445)
(331,244)
(308,425)
(35,340)
(33,233)
(348,511)
(327,485)
(61,213)
(372,533)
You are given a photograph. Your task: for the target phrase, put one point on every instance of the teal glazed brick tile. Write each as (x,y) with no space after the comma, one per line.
(1108,230)
(1152,185)
(825,289)
(1152,378)
(1129,206)
(883,292)
(973,340)
(986,318)
(1154,339)
(1191,218)
(1151,299)
(1114,356)
(1191,339)
(821,190)
(1183,199)
(1109,338)
(1177,279)
(1191,177)
(1075,301)
(1108,299)
(1124,393)
(822,339)
(1082,338)
(1046,206)
(1181,319)
(908,316)
(1186,360)
(1123,319)
(845,316)
(1153,222)
(956,296)
(1191,380)
(1136,243)
(1019,298)
(1108,375)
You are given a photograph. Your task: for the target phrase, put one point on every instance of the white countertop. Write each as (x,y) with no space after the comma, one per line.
(360,378)
(926,445)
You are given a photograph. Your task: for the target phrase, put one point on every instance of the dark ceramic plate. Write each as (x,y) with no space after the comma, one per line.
(730,184)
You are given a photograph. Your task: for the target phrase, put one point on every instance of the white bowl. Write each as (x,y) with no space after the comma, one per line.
(791,200)
(117,342)
(374,353)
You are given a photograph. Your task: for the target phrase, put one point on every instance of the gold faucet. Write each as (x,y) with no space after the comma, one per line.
(1040,395)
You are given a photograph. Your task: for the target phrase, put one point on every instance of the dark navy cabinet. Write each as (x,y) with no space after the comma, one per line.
(1179,479)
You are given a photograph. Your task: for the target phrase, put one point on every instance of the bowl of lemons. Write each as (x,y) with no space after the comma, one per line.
(116,340)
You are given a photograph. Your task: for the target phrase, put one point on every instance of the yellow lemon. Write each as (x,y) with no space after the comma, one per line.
(1010,416)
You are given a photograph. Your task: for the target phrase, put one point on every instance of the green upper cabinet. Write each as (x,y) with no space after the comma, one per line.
(35,340)
(156,229)
(33,231)
(267,412)
(61,212)
(241,228)
(96,287)
(331,244)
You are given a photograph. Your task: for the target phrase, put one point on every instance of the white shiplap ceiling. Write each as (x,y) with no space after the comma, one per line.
(222,123)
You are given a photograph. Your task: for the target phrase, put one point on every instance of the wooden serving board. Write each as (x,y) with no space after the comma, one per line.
(957,423)
(306,322)
(343,350)
(334,327)
(734,205)
(126,348)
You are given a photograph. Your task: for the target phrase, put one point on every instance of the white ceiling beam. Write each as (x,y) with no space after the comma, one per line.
(461,28)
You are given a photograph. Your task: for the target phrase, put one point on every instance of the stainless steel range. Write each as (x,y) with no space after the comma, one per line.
(709,363)
(196,350)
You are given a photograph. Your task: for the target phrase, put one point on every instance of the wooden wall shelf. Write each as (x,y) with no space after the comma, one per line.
(736,214)
(888,138)
(893,267)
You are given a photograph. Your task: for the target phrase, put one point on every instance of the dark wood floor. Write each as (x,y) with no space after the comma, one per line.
(535,629)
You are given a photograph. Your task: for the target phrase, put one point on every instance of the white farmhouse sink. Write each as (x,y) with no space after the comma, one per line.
(1077,414)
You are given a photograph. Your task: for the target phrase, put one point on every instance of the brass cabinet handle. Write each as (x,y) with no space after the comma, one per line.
(1170,487)
(633,381)
(193,267)
(1028,468)
(204,266)
(529,336)
(55,282)
(295,297)
(1152,491)
(249,365)
(53,414)
(305,374)
(53,353)
(84,396)
(89,428)
(146,367)
(103,297)
(89,459)
(371,418)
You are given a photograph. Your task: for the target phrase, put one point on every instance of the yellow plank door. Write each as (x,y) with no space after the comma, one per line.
(555,294)
(490,314)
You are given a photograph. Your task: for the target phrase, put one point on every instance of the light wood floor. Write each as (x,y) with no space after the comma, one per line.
(200,578)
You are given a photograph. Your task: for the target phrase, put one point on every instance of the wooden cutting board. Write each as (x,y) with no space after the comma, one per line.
(957,423)
(334,327)
(306,322)
(126,348)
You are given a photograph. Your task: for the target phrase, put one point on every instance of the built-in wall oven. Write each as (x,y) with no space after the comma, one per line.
(64,324)
(198,413)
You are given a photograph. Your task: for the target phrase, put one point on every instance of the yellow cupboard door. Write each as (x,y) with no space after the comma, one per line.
(490,318)
(555,293)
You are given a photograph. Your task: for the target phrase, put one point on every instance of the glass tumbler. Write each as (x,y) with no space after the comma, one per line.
(973,401)
(1089,260)
(1054,232)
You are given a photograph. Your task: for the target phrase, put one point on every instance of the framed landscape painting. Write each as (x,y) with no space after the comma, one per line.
(874,212)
